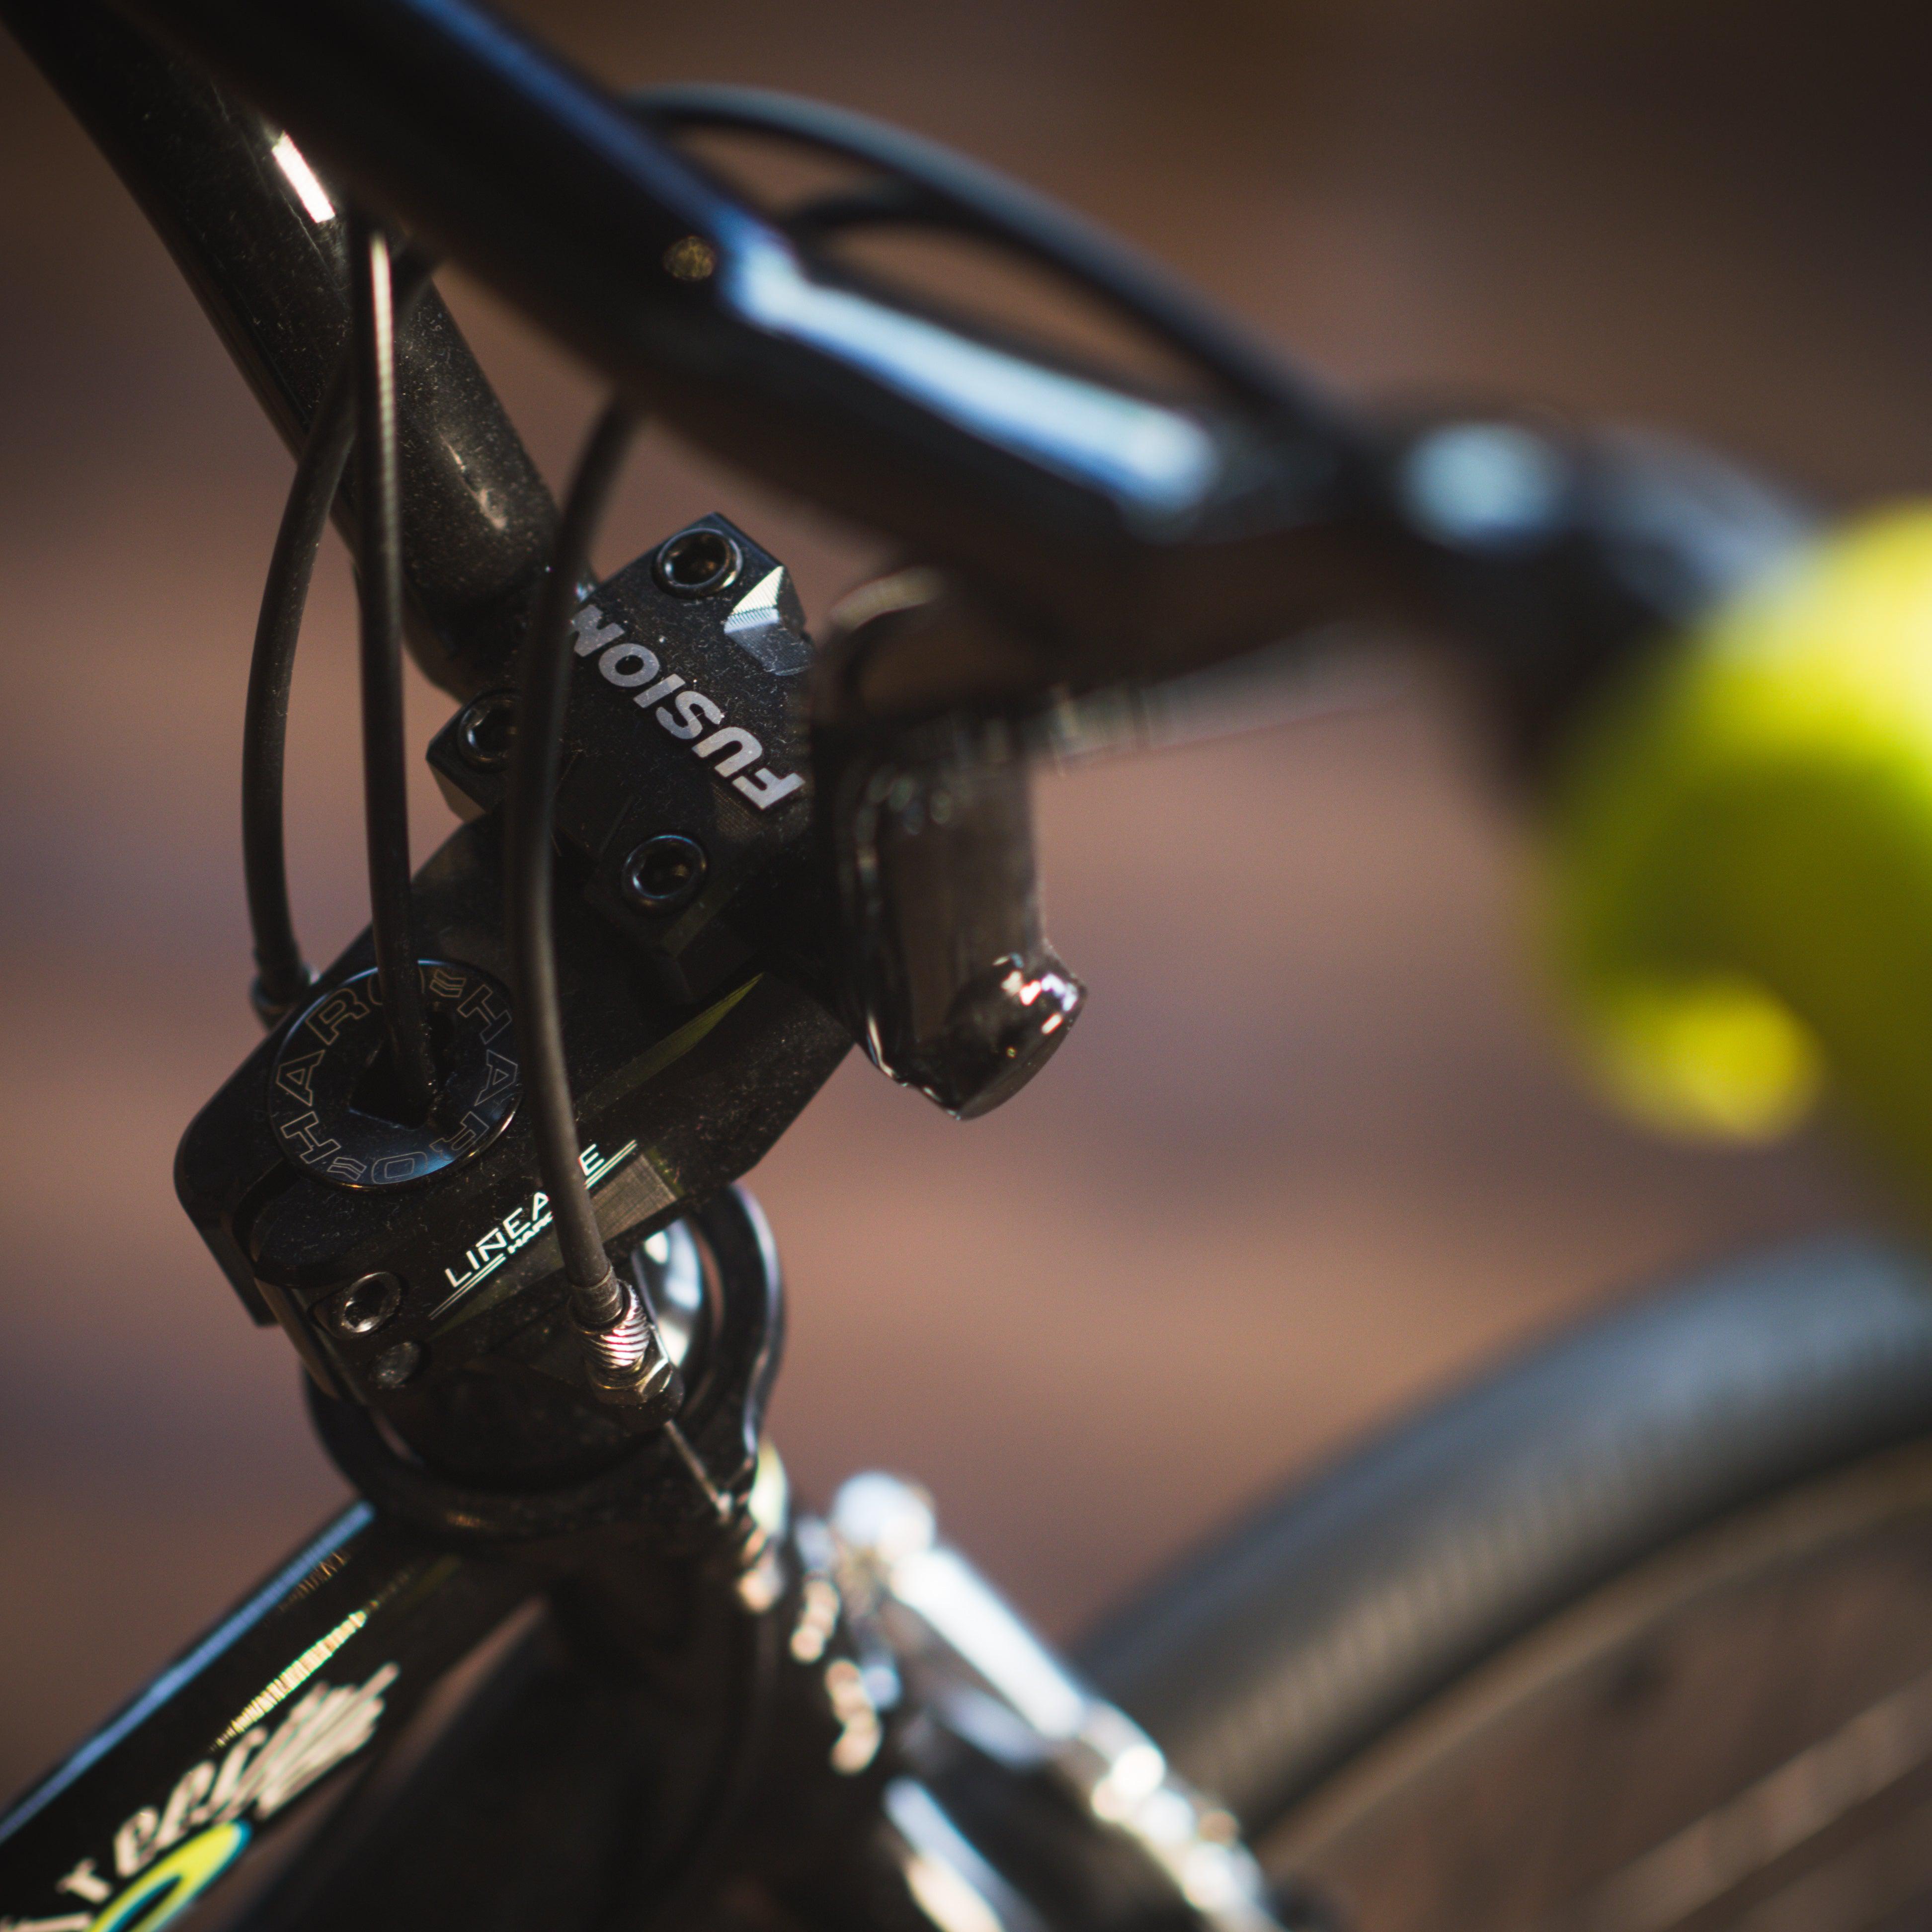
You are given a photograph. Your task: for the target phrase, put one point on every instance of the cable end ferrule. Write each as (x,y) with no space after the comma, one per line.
(624,1359)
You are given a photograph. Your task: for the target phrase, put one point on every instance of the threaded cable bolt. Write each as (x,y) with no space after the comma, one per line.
(624,1355)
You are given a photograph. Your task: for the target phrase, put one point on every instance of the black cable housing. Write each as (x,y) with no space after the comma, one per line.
(379,573)
(543,692)
(282,974)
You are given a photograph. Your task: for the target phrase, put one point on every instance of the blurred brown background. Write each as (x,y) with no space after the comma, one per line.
(1312,1152)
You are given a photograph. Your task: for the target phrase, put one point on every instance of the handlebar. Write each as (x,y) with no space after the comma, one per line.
(478,523)
(1097,533)
(1092,535)
(1120,532)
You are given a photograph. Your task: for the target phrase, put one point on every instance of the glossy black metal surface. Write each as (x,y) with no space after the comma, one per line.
(688,810)
(660,1728)
(477,519)
(316,1671)
(1104,534)
(944,972)
(1120,532)
(656,1738)
(925,184)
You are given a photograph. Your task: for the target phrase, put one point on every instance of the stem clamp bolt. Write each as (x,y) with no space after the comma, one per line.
(664,873)
(486,730)
(366,1305)
(697,561)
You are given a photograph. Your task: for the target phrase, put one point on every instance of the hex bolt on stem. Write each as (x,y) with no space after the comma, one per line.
(366,1305)
(695,562)
(487,731)
(664,873)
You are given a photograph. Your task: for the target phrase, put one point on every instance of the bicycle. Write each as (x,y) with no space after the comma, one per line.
(571,1505)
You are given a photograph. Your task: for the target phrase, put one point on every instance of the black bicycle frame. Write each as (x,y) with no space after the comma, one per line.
(305,1681)
(1115,531)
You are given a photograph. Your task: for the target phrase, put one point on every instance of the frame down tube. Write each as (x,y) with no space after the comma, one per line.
(329,1657)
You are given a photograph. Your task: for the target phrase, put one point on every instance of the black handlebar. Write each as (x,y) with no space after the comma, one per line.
(478,523)
(1117,533)
(1097,534)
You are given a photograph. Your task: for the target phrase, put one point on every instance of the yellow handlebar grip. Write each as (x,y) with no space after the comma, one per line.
(1739,901)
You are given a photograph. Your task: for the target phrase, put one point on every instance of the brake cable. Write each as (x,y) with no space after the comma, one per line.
(283,976)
